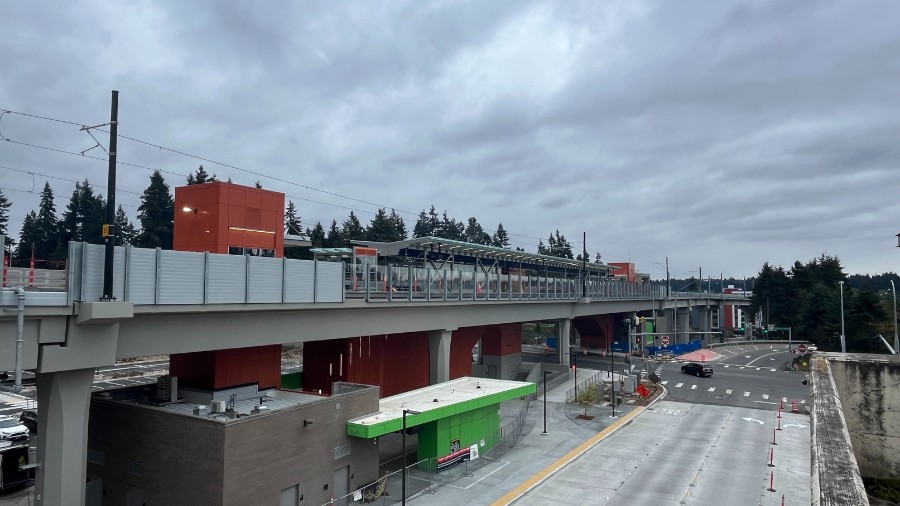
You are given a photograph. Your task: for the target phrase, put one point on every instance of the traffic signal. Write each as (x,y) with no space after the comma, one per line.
(637,339)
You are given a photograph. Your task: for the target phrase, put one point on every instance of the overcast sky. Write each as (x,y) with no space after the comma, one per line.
(718,134)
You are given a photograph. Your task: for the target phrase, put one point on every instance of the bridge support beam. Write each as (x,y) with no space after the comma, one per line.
(64,398)
(705,325)
(563,340)
(683,320)
(439,352)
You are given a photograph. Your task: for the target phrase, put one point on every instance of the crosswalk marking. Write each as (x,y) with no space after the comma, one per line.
(679,385)
(693,387)
(765,396)
(746,394)
(728,392)
(712,389)
(666,382)
(784,399)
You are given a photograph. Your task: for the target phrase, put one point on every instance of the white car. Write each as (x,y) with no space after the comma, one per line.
(811,348)
(11,429)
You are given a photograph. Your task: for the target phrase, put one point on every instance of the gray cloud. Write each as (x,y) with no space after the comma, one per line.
(719,135)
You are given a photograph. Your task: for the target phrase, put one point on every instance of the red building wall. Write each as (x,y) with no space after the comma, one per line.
(213,216)
(461,345)
(500,340)
(596,332)
(215,370)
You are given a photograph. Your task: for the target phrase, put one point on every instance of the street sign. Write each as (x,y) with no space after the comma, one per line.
(664,340)
(801,348)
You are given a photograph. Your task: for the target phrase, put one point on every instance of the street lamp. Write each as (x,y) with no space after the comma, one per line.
(545,404)
(843,342)
(573,355)
(896,340)
(403,486)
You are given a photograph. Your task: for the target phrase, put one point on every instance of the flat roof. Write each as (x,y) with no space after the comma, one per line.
(435,402)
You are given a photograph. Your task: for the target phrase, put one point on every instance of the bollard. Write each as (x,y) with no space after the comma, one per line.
(779,411)
(779,423)
(771,481)
(773,437)
(771,457)
(782,499)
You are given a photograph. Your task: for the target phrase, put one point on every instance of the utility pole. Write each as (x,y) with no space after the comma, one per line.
(584,265)
(668,281)
(110,226)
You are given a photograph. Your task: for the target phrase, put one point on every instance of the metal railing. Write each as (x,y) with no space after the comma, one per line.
(593,380)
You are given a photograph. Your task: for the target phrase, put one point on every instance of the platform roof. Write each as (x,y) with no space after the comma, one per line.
(449,246)
(436,402)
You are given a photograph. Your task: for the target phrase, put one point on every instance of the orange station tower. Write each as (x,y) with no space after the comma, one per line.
(239,220)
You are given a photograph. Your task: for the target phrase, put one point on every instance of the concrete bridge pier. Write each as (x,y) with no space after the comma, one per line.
(439,351)
(64,376)
(683,320)
(665,324)
(563,340)
(705,324)
(64,398)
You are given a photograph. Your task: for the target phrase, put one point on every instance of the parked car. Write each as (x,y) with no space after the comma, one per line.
(12,430)
(697,369)
(29,419)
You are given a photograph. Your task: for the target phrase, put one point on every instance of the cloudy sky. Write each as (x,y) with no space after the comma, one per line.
(718,134)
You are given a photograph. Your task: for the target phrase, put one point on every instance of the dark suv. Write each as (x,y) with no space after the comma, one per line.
(697,369)
(28,418)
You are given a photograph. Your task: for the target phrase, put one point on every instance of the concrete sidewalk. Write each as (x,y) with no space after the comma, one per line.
(535,452)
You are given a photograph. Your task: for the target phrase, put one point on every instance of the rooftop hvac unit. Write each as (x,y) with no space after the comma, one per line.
(167,388)
(217,406)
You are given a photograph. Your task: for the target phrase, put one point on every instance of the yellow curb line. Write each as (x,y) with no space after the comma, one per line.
(517,493)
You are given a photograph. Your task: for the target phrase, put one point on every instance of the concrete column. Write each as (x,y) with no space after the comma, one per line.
(563,340)
(439,351)
(703,314)
(64,398)
(682,316)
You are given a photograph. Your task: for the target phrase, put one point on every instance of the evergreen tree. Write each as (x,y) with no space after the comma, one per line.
(334,238)
(474,233)
(559,246)
(47,245)
(501,237)
(84,216)
(317,235)
(28,236)
(201,176)
(382,228)
(542,250)
(292,220)
(125,233)
(351,230)
(156,213)
(5,204)
(399,226)
(597,259)
(451,228)
(258,184)
(427,224)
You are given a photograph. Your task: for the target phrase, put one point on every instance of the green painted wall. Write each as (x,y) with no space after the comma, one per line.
(292,381)
(470,427)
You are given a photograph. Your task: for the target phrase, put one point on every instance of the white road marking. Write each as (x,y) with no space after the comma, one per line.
(666,382)
(754,420)
(800,425)
(784,399)
(693,387)
(746,394)
(766,402)
(679,385)
(758,368)
(712,389)
(765,396)
(728,392)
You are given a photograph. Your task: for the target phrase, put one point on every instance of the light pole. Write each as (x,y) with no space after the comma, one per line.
(545,404)
(573,355)
(403,486)
(896,340)
(843,342)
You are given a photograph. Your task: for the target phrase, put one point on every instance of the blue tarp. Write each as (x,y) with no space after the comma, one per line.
(677,349)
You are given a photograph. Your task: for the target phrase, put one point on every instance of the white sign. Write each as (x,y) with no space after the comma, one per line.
(664,340)
(473,452)
(357,495)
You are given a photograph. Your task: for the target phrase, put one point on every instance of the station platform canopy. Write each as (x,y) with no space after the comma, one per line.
(436,402)
(428,247)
